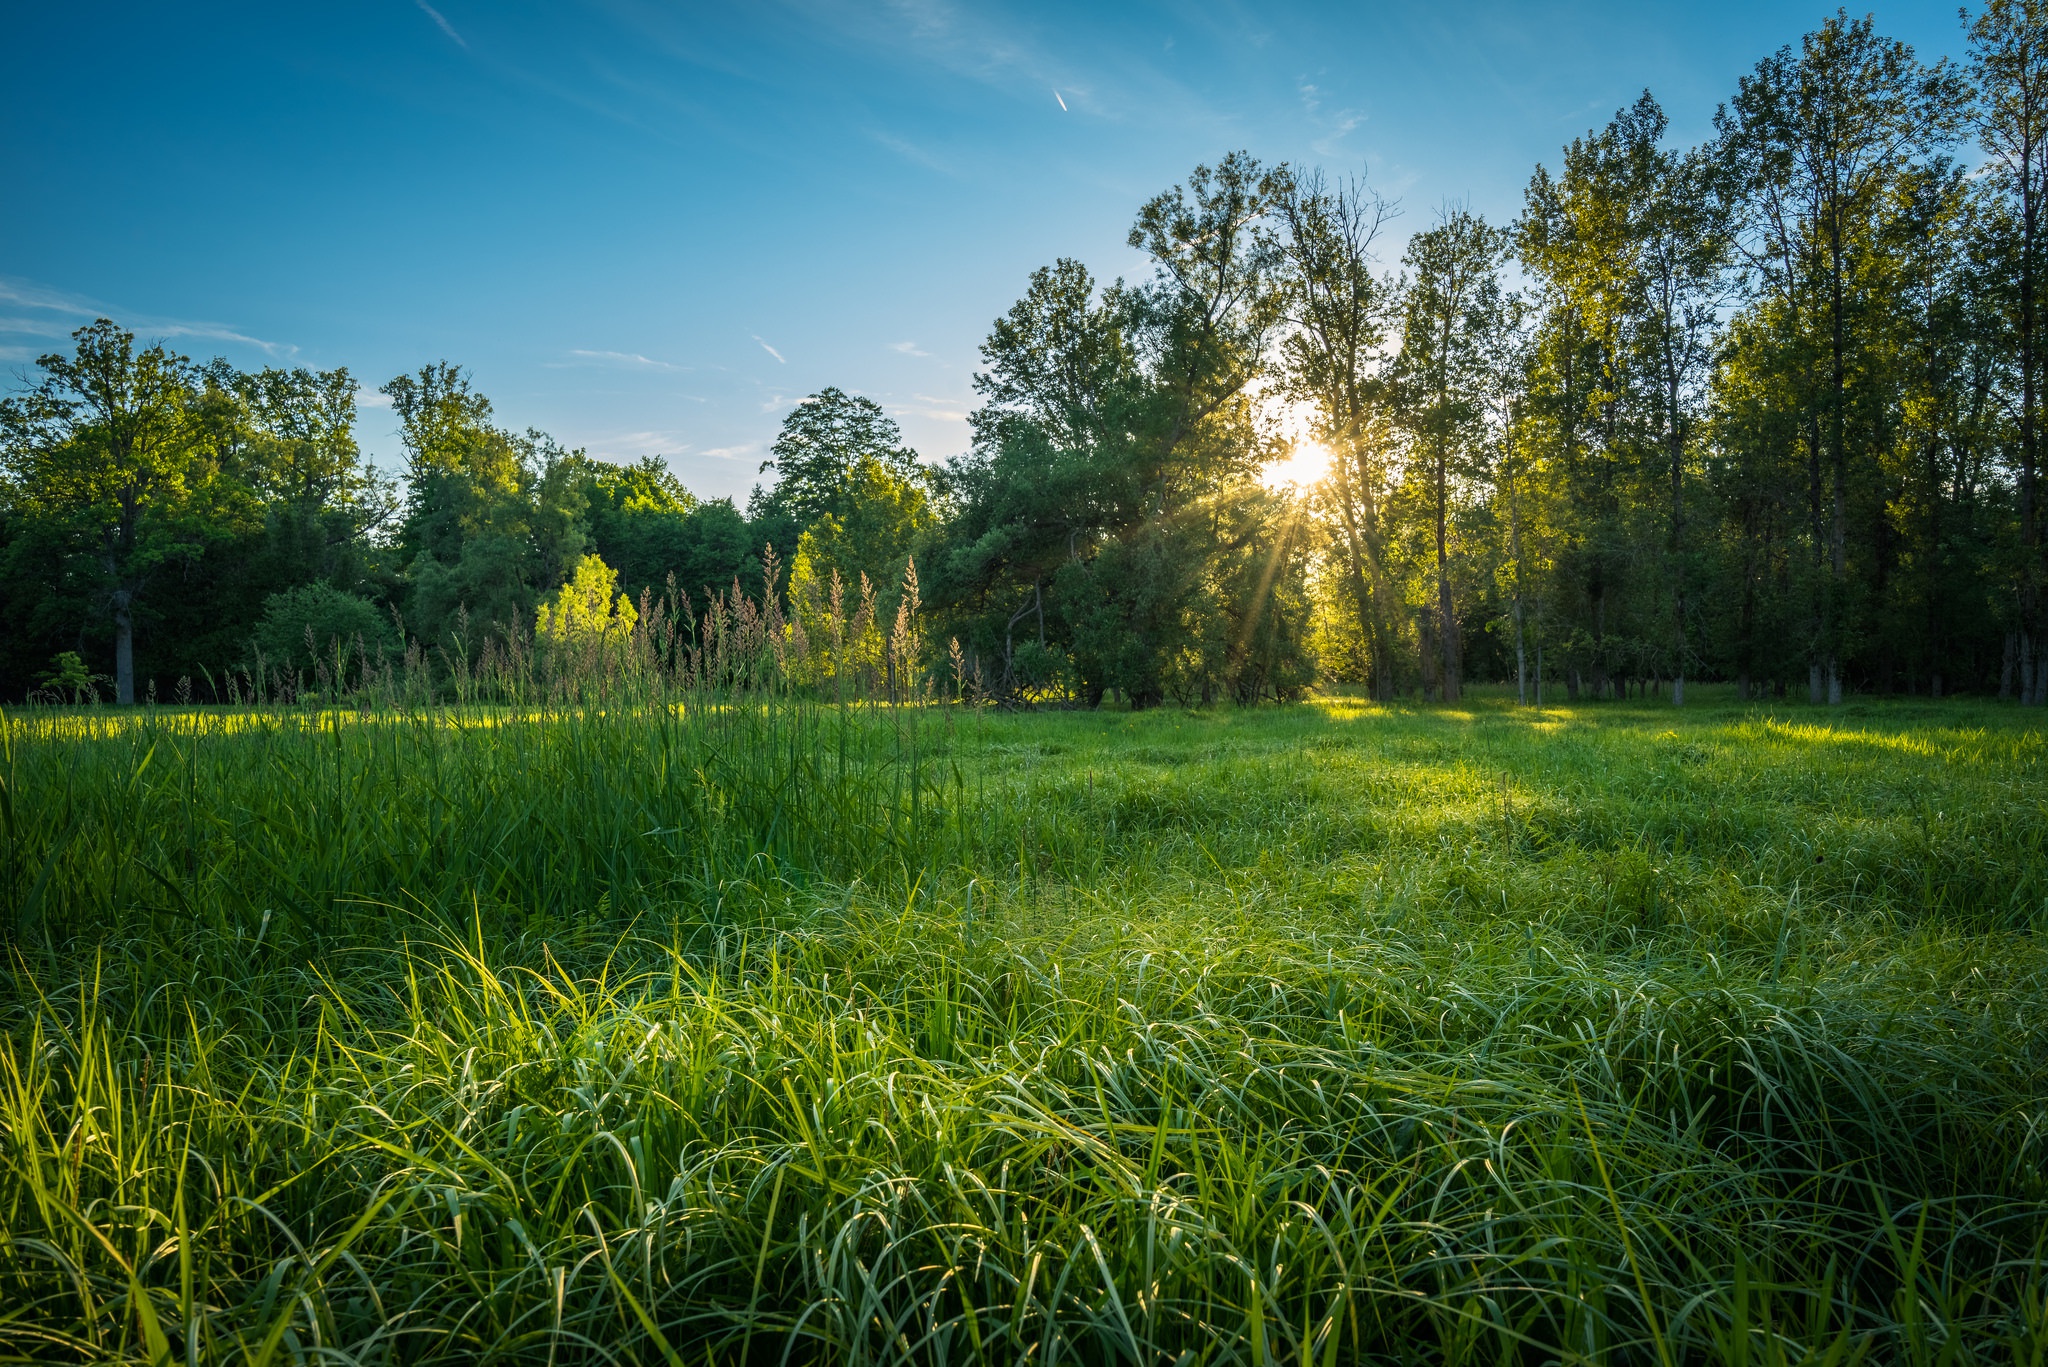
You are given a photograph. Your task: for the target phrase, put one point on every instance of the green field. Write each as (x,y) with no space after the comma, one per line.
(783,1032)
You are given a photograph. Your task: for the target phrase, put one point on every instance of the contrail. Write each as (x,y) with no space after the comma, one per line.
(1063,103)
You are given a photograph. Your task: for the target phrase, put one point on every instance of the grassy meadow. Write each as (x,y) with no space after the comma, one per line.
(775,1031)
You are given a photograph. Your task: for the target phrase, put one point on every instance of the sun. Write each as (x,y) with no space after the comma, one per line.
(1307,464)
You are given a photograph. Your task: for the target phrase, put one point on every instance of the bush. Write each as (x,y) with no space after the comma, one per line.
(313,624)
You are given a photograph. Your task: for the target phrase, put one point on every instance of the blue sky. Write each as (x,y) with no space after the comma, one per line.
(650,228)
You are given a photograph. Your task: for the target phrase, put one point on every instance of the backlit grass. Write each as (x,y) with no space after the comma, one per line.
(779,1033)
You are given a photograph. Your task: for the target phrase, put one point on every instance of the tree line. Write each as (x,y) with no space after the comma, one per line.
(1765,411)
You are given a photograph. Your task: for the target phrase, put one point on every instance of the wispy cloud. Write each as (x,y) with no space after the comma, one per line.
(907,348)
(33,296)
(931,407)
(632,445)
(627,360)
(911,152)
(370,398)
(36,327)
(1336,125)
(770,350)
(1025,58)
(440,20)
(68,311)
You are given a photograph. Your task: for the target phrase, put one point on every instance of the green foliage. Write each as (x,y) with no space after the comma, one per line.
(316,625)
(1110,497)
(1345,1033)
(589,606)
(68,679)
(109,456)
(881,518)
(492,521)
(820,455)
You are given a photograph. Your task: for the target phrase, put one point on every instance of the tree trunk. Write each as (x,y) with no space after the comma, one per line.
(1840,523)
(1677,441)
(2029,496)
(1447,624)
(1521,661)
(124,650)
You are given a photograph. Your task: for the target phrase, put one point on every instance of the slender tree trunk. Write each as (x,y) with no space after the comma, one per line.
(1521,660)
(1677,549)
(1839,421)
(124,649)
(2030,536)
(1446,622)
(1515,552)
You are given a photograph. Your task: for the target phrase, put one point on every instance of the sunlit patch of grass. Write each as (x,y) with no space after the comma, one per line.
(1334,1033)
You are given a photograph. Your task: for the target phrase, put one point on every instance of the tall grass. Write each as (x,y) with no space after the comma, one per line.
(741,1024)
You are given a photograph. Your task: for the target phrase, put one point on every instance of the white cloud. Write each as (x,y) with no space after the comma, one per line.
(1335,125)
(928,406)
(771,351)
(29,295)
(36,327)
(445,26)
(911,152)
(370,398)
(633,445)
(629,360)
(907,348)
(33,296)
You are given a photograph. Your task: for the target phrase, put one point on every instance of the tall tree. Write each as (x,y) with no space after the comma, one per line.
(1817,141)
(2009,60)
(1628,242)
(822,444)
(1050,471)
(492,521)
(1452,307)
(1332,358)
(322,501)
(106,449)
